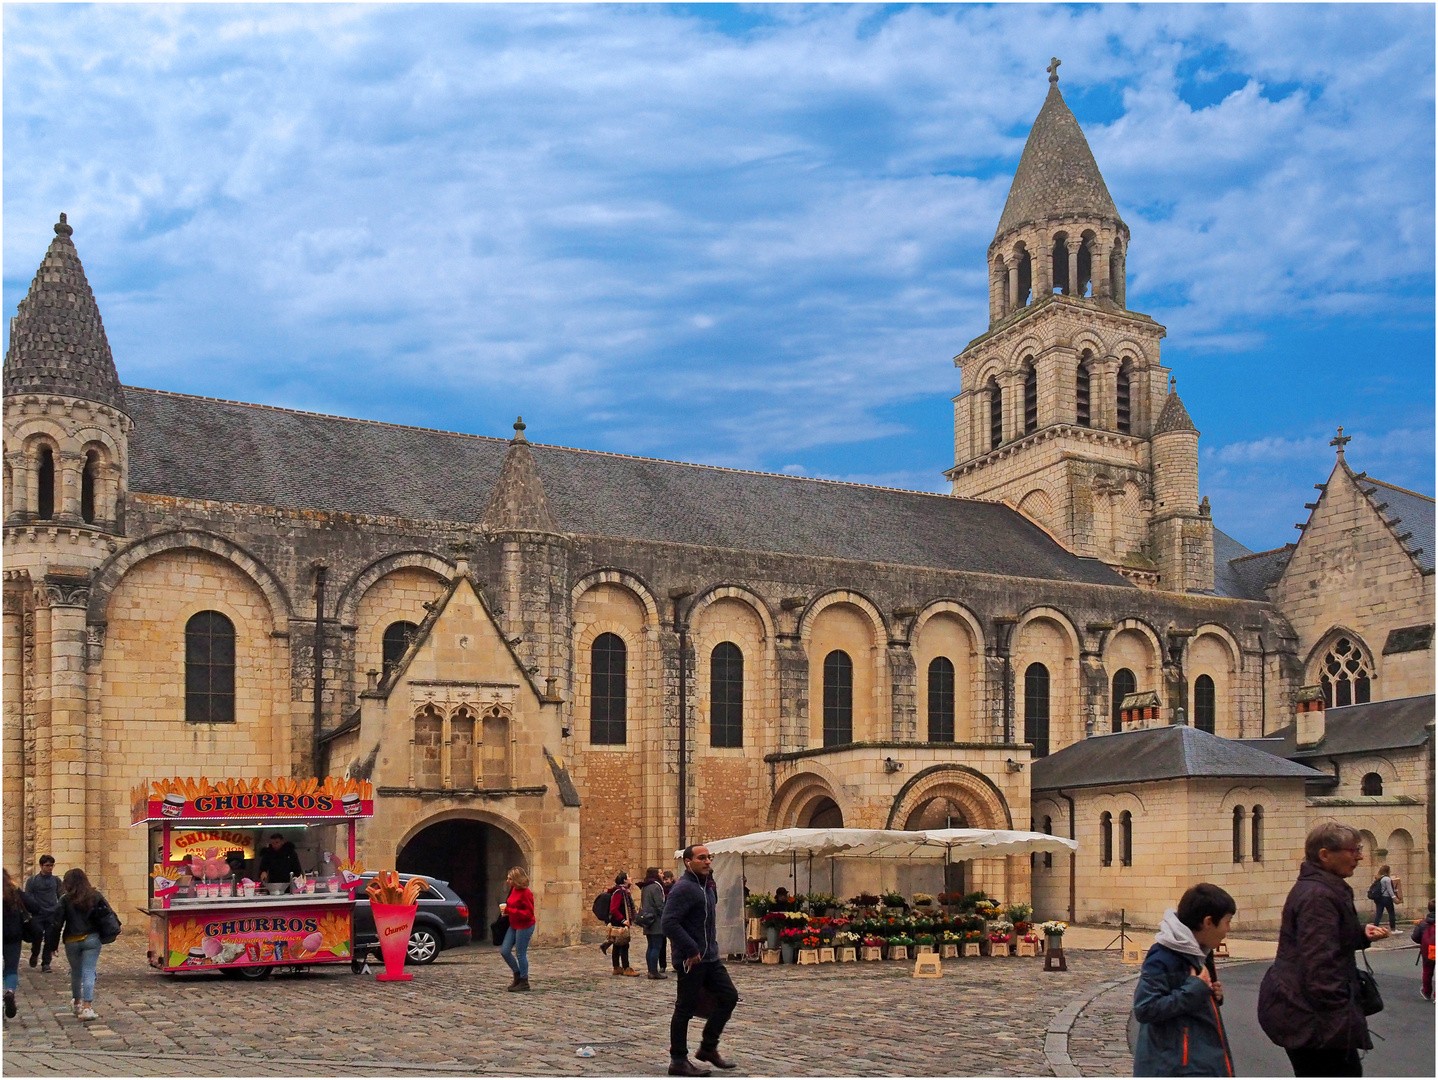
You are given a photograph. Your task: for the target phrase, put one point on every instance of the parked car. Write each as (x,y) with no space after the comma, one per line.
(442,922)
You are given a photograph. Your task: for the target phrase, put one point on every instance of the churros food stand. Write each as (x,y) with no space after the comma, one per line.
(204,916)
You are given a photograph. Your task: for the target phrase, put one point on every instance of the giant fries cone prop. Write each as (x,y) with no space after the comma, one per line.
(393,922)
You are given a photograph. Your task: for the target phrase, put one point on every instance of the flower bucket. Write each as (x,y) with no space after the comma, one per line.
(771,933)
(1055,941)
(393,923)
(788,952)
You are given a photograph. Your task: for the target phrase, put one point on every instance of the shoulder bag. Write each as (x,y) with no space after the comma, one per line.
(1369,997)
(105,921)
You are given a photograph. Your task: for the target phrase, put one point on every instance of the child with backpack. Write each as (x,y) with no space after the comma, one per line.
(1176,1001)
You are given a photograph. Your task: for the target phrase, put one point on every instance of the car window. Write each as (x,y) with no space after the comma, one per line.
(431,893)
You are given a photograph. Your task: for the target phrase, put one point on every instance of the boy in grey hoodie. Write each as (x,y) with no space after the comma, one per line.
(1178,994)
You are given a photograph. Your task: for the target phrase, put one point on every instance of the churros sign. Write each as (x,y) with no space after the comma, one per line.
(187,799)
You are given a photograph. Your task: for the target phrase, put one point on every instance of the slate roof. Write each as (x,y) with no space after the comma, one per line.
(1250,574)
(57,340)
(1175,751)
(1415,514)
(1173,417)
(202,448)
(1057,175)
(1361,729)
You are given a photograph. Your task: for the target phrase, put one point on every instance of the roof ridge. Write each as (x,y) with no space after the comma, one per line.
(572,449)
(1260,554)
(1395,487)
(1380,701)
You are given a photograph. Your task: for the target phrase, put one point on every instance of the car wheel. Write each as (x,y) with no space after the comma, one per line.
(252,971)
(423,946)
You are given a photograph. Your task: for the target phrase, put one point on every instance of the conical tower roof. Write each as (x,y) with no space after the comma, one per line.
(1057,175)
(1174,416)
(57,341)
(518,503)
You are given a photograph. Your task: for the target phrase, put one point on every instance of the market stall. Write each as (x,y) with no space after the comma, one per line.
(220,901)
(787,854)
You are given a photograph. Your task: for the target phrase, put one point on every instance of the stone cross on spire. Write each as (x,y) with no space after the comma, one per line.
(1053,69)
(1340,441)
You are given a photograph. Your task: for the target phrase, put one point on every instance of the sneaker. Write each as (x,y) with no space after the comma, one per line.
(88,1013)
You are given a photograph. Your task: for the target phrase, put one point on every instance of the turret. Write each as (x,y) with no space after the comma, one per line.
(1181,529)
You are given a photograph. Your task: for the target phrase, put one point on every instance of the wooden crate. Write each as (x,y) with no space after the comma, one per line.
(898,952)
(947,950)
(771,956)
(1133,954)
(1028,948)
(754,930)
(846,954)
(872,952)
(973,948)
(921,949)
(826,956)
(998,948)
(928,966)
(808,956)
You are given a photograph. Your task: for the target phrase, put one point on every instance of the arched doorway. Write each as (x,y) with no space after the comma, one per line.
(824,813)
(473,856)
(942,812)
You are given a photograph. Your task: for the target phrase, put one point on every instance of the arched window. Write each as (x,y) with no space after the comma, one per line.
(1026,279)
(1124,412)
(607,658)
(838,699)
(726,695)
(1124,683)
(1060,257)
(209,669)
(1125,839)
(1205,704)
(1085,269)
(1031,399)
(1372,784)
(1347,674)
(46,510)
(398,636)
(1105,839)
(1082,384)
(1036,709)
(1238,834)
(1048,855)
(996,415)
(1256,848)
(87,487)
(941,699)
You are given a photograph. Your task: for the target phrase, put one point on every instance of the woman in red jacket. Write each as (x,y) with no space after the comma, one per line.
(519,909)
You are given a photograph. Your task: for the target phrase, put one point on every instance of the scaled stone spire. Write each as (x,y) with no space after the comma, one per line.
(1174,416)
(518,503)
(1057,176)
(57,341)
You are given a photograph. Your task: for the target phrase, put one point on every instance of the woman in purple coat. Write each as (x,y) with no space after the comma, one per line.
(1308,1003)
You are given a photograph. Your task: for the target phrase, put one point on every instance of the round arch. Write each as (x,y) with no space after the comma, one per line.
(845,596)
(947,606)
(1235,654)
(113,570)
(347,610)
(983,803)
(471,849)
(1043,611)
(632,582)
(733,592)
(800,795)
(1145,631)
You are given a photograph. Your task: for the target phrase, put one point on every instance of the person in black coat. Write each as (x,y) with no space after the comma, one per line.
(18,921)
(690,922)
(279,861)
(1308,1003)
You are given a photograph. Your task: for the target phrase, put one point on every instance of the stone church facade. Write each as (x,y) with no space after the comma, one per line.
(577,660)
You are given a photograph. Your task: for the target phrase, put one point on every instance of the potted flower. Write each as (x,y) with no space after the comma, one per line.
(1053,930)
(904,942)
(865,901)
(821,903)
(789,940)
(894,899)
(1019,915)
(772,923)
(923,900)
(846,939)
(758,904)
(924,941)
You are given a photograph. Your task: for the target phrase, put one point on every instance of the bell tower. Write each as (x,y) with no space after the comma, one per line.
(1064,393)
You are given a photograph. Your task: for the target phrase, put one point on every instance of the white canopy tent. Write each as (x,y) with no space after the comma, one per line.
(737,857)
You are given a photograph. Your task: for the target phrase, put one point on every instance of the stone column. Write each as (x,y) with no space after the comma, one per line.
(1011,383)
(96,852)
(1013,300)
(1098,264)
(32,482)
(1121,271)
(793,693)
(903,692)
(17,496)
(1103,393)
(14,737)
(107,496)
(1073,289)
(68,467)
(446,751)
(69,705)
(1042,262)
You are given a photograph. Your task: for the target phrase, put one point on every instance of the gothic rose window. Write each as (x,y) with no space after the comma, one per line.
(607,658)
(209,669)
(726,695)
(1347,674)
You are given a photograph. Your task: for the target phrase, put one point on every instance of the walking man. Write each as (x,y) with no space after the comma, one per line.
(43,892)
(690,922)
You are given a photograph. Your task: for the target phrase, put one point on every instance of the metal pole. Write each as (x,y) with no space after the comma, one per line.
(682,629)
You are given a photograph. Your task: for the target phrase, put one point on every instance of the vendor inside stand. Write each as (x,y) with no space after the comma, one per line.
(278,860)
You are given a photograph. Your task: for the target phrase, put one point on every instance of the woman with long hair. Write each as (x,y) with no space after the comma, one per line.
(17,914)
(80,906)
(519,909)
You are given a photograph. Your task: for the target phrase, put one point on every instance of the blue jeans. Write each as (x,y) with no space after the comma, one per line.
(84,957)
(515,950)
(12,964)
(654,953)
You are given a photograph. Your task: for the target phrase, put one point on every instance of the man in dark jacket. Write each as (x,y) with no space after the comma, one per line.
(1423,936)
(1177,998)
(1308,1003)
(690,922)
(42,890)
(279,861)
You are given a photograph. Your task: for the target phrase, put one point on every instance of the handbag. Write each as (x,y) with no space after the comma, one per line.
(1370,999)
(30,931)
(499,928)
(619,935)
(106,922)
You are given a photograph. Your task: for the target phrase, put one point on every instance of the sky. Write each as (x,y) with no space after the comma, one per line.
(743,236)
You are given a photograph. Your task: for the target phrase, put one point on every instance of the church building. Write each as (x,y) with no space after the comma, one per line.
(578,661)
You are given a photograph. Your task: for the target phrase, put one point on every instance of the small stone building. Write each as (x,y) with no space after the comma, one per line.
(577,661)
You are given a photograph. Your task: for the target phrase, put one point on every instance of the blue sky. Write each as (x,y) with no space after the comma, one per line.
(741,236)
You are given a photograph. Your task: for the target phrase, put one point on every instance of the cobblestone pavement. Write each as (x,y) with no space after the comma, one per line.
(984,1017)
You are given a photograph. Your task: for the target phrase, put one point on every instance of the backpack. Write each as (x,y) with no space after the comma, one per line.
(1375,891)
(105,921)
(601,905)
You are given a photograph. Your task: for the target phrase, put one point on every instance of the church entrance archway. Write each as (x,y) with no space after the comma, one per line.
(824,813)
(472,855)
(942,812)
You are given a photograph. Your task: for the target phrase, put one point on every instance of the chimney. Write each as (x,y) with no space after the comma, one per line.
(1308,709)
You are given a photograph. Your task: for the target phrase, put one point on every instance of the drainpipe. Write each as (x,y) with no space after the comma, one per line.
(320,572)
(682,629)
(1073,858)
(1262,685)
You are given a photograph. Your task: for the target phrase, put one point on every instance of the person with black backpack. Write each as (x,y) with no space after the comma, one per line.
(87,922)
(1383,894)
